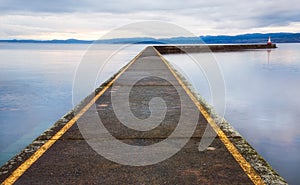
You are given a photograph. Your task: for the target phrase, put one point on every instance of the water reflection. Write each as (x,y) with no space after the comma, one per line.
(269,52)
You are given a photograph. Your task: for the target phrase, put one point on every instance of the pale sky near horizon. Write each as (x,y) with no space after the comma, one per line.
(90,19)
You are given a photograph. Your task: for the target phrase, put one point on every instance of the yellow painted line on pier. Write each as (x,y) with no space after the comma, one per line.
(246,166)
(25,165)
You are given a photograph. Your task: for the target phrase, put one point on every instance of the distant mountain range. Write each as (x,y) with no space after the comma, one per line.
(254,38)
(220,39)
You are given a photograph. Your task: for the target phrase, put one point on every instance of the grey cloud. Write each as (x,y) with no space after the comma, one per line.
(275,13)
(209,15)
(16,6)
(278,18)
(112,6)
(269,12)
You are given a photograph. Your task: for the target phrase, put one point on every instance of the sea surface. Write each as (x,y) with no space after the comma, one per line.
(262,90)
(36,86)
(260,95)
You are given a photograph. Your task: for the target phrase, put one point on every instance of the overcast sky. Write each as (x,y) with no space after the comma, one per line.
(90,19)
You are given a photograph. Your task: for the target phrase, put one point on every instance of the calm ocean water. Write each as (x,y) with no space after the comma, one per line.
(36,87)
(261,94)
(262,100)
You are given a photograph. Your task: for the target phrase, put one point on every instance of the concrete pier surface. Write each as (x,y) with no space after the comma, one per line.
(68,154)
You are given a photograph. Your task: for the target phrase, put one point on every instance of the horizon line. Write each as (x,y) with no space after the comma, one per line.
(107,39)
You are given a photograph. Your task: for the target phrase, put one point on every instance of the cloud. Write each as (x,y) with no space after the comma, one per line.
(278,18)
(103,6)
(86,19)
(25,6)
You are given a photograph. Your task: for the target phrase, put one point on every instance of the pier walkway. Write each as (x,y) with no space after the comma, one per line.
(68,158)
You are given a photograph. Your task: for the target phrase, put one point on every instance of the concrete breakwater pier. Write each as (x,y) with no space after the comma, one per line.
(211,48)
(63,154)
